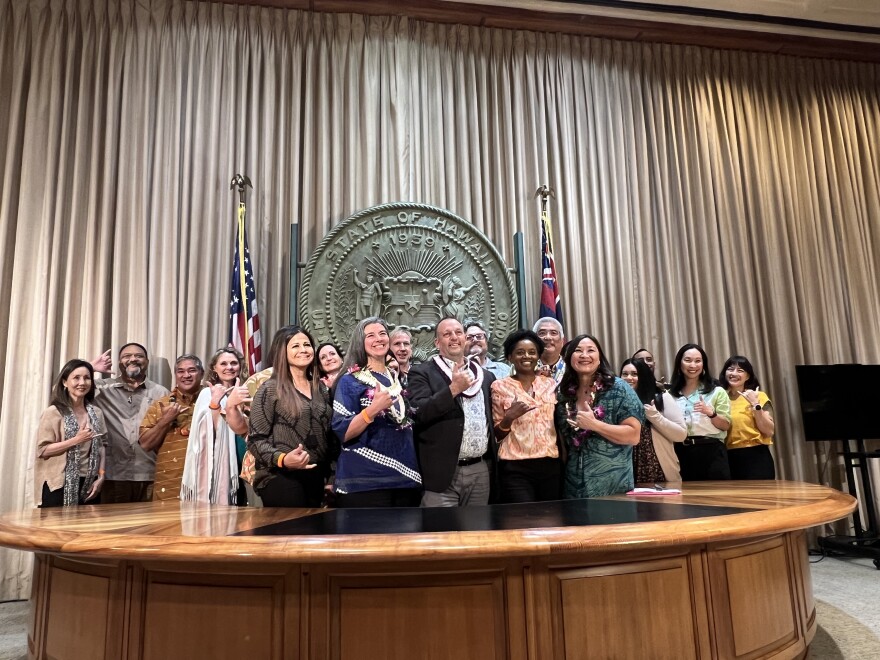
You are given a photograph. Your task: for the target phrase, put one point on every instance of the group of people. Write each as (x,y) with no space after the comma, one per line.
(371,428)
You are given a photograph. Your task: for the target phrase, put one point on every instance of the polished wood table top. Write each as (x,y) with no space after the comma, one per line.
(176,531)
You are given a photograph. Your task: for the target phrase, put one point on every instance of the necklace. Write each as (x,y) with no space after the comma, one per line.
(588,392)
(530,390)
(397,410)
(306,390)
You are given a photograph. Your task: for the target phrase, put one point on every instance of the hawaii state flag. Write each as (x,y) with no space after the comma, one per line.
(244,321)
(550,305)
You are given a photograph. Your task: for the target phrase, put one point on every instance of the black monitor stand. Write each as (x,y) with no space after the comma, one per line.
(865,543)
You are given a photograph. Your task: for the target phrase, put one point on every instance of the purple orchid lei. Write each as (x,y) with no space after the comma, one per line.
(580,436)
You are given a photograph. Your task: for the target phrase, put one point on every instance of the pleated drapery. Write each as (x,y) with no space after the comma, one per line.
(722,197)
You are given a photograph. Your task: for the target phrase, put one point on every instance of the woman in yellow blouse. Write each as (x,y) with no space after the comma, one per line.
(529,468)
(751,422)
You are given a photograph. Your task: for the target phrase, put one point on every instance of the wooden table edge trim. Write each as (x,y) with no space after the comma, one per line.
(412,547)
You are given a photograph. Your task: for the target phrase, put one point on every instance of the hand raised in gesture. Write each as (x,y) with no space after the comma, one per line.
(462,378)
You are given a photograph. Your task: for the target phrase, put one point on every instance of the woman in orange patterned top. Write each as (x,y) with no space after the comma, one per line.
(529,466)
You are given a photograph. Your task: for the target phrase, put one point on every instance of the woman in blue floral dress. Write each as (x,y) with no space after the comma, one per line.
(600,419)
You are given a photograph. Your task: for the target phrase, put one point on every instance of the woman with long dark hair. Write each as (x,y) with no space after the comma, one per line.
(371,416)
(529,469)
(751,422)
(290,435)
(600,419)
(69,469)
(654,457)
(706,410)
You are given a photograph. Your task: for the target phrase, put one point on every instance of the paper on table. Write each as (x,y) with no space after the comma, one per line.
(655,491)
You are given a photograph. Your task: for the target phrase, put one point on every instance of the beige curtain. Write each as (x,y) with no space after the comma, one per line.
(717,196)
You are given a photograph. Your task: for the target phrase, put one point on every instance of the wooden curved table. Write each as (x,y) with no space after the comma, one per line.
(655,577)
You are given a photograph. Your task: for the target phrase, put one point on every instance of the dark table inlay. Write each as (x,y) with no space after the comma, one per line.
(498,517)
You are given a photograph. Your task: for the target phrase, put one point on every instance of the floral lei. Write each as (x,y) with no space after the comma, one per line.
(398,411)
(580,436)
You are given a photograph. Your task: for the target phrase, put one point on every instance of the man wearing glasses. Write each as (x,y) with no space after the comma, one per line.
(124,401)
(477,346)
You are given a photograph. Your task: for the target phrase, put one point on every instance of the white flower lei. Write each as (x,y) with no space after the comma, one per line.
(398,405)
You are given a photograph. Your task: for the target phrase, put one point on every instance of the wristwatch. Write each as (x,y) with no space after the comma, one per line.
(713,415)
(758,406)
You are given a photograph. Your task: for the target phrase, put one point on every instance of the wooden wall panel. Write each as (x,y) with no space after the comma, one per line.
(201,615)
(755,599)
(222,629)
(78,611)
(468,613)
(634,610)
(417,622)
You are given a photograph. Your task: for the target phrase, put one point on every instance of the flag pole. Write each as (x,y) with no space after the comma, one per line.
(550,302)
(545,192)
(241,182)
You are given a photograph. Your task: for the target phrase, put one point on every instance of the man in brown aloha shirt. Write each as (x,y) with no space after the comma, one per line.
(165,427)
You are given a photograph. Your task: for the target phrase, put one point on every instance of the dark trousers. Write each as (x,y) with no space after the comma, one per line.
(704,462)
(751,463)
(530,480)
(123,492)
(241,495)
(294,488)
(386,497)
(52,498)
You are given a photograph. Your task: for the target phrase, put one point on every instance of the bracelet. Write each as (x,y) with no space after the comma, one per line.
(503,430)
(100,473)
(280,462)
(366,416)
(213,407)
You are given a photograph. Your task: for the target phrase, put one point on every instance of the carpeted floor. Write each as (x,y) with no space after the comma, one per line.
(847,608)
(841,637)
(13,630)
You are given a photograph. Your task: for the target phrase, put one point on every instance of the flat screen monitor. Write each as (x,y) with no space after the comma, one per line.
(839,401)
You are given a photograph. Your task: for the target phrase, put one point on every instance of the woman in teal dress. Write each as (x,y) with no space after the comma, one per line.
(600,418)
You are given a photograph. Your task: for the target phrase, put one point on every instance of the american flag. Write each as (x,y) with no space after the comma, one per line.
(244,321)
(550,305)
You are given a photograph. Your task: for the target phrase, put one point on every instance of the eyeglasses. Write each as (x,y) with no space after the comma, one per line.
(477,336)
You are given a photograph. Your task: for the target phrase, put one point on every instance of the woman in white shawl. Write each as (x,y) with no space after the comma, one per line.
(216,442)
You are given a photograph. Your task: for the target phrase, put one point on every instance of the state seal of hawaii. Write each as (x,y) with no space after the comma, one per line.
(413,265)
